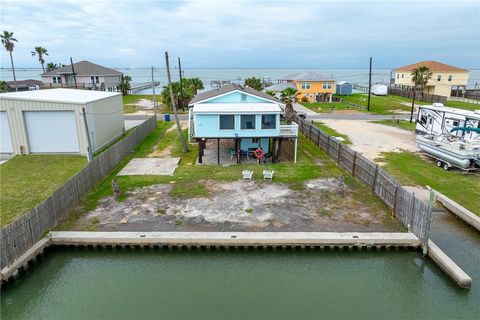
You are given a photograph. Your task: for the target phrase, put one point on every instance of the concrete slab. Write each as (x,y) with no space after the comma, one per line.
(236,238)
(448,266)
(4,157)
(153,166)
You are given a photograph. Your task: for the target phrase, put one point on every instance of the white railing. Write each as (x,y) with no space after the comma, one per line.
(290,130)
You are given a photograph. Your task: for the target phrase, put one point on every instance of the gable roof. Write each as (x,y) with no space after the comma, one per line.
(84,68)
(432,65)
(306,76)
(207,95)
(280,87)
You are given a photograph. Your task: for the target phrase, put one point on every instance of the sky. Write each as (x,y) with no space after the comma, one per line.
(244,34)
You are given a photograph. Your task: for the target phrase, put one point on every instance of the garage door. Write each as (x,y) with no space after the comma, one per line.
(51,131)
(5,138)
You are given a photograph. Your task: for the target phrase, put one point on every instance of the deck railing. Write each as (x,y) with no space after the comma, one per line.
(290,130)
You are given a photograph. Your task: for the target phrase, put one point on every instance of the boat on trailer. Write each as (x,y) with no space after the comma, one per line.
(452,151)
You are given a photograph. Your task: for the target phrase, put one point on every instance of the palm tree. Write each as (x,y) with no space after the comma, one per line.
(3,86)
(270,92)
(51,66)
(124,85)
(7,41)
(195,84)
(40,52)
(289,97)
(420,77)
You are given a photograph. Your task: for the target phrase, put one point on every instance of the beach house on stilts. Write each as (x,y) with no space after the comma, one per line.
(235,124)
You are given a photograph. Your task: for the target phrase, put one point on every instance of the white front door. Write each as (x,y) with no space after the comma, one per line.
(5,137)
(51,131)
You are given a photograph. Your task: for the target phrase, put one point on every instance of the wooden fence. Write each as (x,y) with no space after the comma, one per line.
(21,234)
(419,96)
(412,212)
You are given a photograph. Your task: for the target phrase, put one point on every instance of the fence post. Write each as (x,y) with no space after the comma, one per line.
(339,152)
(354,163)
(375,178)
(318,138)
(310,132)
(394,207)
(412,196)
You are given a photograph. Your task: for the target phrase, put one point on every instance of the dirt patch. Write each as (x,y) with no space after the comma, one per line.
(321,205)
(371,139)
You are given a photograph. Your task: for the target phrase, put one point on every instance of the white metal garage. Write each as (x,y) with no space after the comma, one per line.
(60,120)
(6,145)
(51,131)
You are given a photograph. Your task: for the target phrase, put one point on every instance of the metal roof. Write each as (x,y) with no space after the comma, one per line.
(343,82)
(230,88)
(84,68)
(280,87)
(236,108)
(59,95)
(306,76)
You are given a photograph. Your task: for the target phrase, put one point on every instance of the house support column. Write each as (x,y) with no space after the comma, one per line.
(295,151)
(237,151)
(330,99)
(218,151)
(201,147)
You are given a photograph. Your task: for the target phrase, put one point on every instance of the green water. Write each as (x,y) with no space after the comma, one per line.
(136,284)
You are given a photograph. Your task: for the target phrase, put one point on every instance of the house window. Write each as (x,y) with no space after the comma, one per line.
(398,75)
(57,80)
(307,95)
(269,121)
(95,79)
(450,78)
(403,74)
(247,122)
(244,97)
(305,85)
(439,77)
(255,140)
(227,122)
(327,85)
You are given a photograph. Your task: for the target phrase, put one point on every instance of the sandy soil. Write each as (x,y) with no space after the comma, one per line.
(166,152)
(242,206)
(371,139)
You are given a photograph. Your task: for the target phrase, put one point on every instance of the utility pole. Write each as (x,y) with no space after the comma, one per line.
(181,83)
(89,148)
(174,107)
(369,84)
(153,96)
(74,75)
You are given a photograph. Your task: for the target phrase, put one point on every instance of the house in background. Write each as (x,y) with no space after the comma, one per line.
(232,122)
(279,87)
(444,78)
(52,121)
(311,86)
(24,85)
(88,76)
(343,88)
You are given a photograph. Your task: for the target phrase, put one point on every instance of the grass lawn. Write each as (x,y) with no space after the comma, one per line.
(382,104)
(463,105)
(332,132)
(28,180)
(410,169)
(188,176)
(402,124)
(327,107)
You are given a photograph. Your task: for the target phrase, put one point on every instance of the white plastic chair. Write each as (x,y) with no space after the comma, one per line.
(268,174)
(247,175)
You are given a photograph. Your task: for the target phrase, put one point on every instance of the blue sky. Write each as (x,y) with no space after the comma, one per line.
(290,34)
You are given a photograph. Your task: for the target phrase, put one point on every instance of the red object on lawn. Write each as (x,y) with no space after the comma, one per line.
(259,153)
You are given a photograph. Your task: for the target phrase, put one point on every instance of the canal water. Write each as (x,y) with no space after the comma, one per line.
(152,283)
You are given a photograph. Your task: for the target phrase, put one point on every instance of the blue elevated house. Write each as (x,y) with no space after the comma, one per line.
(235,124)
